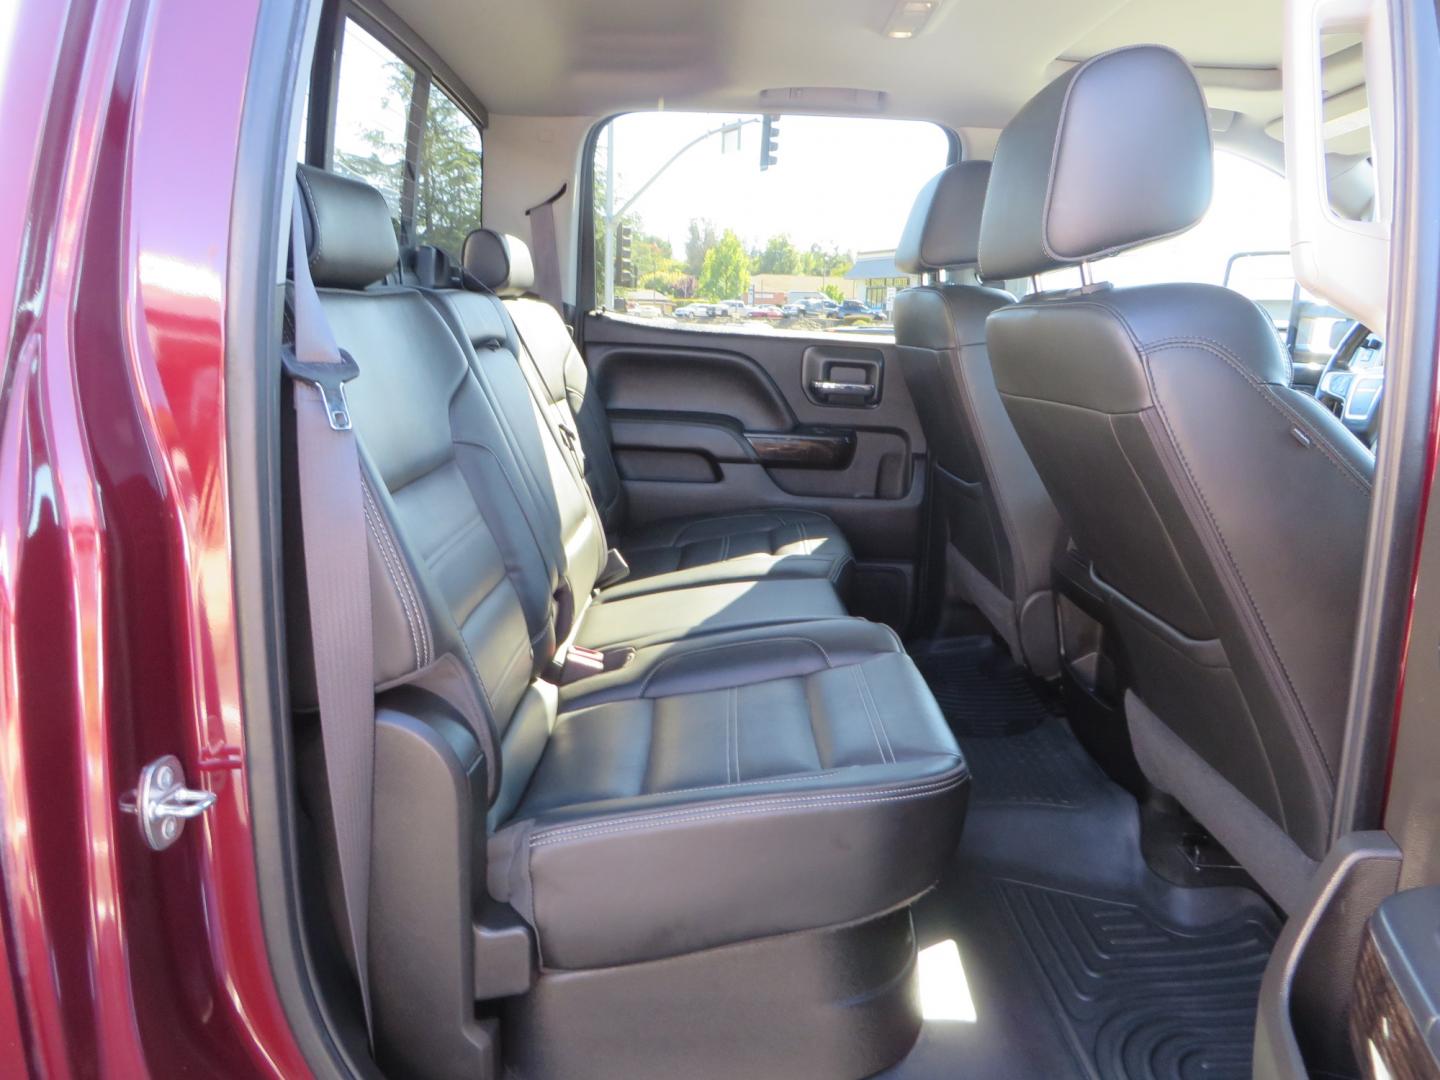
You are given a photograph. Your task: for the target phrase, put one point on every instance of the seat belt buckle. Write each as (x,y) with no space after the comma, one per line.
(329,377)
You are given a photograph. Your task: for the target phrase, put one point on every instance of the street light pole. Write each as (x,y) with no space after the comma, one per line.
(613,216)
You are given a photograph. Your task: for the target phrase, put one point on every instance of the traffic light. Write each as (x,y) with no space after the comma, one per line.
(769,141)
(624,261)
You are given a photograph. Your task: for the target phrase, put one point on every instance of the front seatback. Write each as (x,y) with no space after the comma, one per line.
(501,263)
(1000,532)
(1222,511)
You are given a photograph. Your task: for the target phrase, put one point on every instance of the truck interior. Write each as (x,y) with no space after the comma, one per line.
(866,538)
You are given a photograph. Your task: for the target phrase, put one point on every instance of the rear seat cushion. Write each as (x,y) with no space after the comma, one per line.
(751,784)
(746,545)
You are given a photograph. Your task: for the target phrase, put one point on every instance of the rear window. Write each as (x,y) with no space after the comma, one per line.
(768,223)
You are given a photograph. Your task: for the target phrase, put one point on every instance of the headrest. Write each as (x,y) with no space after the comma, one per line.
(498,261)
(944,226)
(348,233)
(1114,153)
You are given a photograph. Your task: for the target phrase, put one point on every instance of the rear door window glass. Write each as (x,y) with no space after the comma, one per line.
(372,117)
(447,194)
(768,223)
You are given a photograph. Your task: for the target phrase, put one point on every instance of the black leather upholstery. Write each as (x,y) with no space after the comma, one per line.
(1224,512)
(669,553)
(763,764)
(944,225)
(498,261)
(1089,167)
(347,225)
(998,530)
(749,786)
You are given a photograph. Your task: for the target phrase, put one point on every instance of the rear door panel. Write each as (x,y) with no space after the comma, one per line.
(716,420)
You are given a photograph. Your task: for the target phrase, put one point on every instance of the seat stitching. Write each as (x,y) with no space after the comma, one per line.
(557,836)
(875,708)
(792,778)
(855,675)
(399,592)
(407,582)
(645,686)
(1267,395)
(315,234)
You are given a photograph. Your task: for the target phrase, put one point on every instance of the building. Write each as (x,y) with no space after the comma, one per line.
(877,279)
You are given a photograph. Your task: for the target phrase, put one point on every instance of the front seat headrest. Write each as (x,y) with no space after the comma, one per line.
(348,232)
(944,226)
(1114,153)
(498,261)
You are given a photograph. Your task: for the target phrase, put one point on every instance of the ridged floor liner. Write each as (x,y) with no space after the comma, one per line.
(1141,999)
(1080,961)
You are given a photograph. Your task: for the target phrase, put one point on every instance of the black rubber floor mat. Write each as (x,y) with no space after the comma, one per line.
(1043,766)
(1140,999)
(981,691)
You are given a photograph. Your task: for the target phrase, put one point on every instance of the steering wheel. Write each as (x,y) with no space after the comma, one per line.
(1353,395)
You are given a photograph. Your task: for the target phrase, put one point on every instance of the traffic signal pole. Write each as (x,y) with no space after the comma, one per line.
(610,216)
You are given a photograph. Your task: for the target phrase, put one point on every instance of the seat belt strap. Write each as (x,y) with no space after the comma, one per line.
(337,577)
(545,249)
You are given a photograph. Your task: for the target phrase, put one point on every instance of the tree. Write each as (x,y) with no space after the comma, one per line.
(725,272)
(447,184)
(832,291)
(670,282)
(779,257)
(821,263)
(447,193)
(701,238)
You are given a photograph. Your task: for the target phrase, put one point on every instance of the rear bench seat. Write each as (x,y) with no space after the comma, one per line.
(744,545)
(762,765)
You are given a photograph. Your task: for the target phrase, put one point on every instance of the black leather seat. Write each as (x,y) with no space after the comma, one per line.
(998,532)
(1222,511)
(743,546)
(732,782)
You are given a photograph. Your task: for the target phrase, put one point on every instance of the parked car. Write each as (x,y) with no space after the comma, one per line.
(826,307)
(737,309)
(695,311)
(764,311)
(848,308)
(645,311)
(792,311)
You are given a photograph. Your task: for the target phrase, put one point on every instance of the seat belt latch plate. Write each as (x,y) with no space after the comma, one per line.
(328,377)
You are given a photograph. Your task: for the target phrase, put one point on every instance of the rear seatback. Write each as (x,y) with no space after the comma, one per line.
(751,543)
(534,432)
(734,781)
